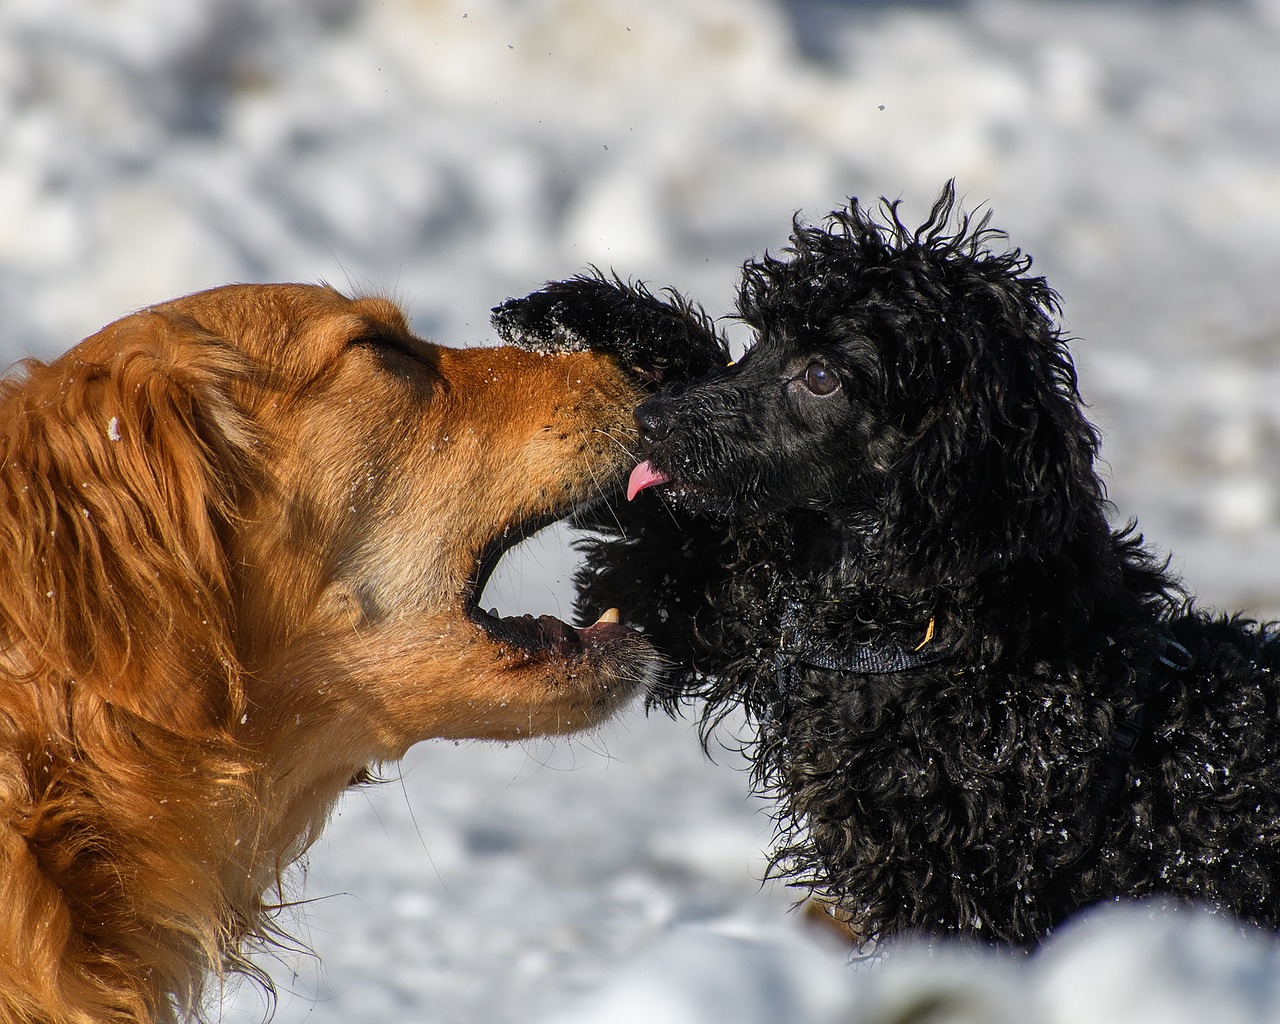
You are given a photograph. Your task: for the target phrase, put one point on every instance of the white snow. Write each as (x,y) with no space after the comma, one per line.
(451,153)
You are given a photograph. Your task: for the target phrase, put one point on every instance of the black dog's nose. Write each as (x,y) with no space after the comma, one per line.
(654,420)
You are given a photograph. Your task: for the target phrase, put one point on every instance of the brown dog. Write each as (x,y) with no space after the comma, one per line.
(243,537)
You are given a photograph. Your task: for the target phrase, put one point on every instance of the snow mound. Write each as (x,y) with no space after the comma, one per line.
(1120,964)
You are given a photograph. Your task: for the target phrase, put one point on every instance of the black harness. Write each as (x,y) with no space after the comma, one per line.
(798,647)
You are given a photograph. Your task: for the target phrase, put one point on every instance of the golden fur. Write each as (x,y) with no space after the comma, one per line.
(241,532)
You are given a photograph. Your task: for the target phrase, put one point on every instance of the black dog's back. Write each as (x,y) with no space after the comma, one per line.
(979,706)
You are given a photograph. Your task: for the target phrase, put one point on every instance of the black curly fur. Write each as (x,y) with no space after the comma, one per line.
(659,340)
(1082,732)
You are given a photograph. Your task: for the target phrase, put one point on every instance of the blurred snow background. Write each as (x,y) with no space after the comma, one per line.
(452,152)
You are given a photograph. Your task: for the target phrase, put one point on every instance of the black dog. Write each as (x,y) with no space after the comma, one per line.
(980,706)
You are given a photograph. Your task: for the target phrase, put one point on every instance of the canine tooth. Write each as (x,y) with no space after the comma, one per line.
(611,616)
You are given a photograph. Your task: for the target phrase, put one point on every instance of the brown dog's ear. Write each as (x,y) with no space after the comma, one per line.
(121,463)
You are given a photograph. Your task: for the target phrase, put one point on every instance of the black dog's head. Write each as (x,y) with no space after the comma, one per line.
(910,384)
(907,396)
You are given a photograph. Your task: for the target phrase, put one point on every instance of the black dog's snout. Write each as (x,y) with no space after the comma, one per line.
(655,421)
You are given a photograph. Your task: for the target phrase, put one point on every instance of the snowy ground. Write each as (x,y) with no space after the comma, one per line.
(453,152)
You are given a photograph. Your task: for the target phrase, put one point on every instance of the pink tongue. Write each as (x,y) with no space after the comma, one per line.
(644,475)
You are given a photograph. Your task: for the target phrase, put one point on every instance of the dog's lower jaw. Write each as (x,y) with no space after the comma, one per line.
(557,695)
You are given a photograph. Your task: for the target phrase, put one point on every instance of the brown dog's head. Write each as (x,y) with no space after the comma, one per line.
(341,489)
(244,535)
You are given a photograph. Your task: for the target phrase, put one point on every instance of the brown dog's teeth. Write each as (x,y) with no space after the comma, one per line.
(611,616)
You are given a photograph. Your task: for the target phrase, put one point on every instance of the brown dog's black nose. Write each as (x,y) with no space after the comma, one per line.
(654,420)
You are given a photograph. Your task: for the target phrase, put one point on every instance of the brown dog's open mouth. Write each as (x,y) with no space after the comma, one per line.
(536,634)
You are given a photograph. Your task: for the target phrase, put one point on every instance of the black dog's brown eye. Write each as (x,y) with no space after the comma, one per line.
(820,379)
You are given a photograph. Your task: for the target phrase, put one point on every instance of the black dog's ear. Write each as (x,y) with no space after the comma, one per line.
(1001,469)
(658,340)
